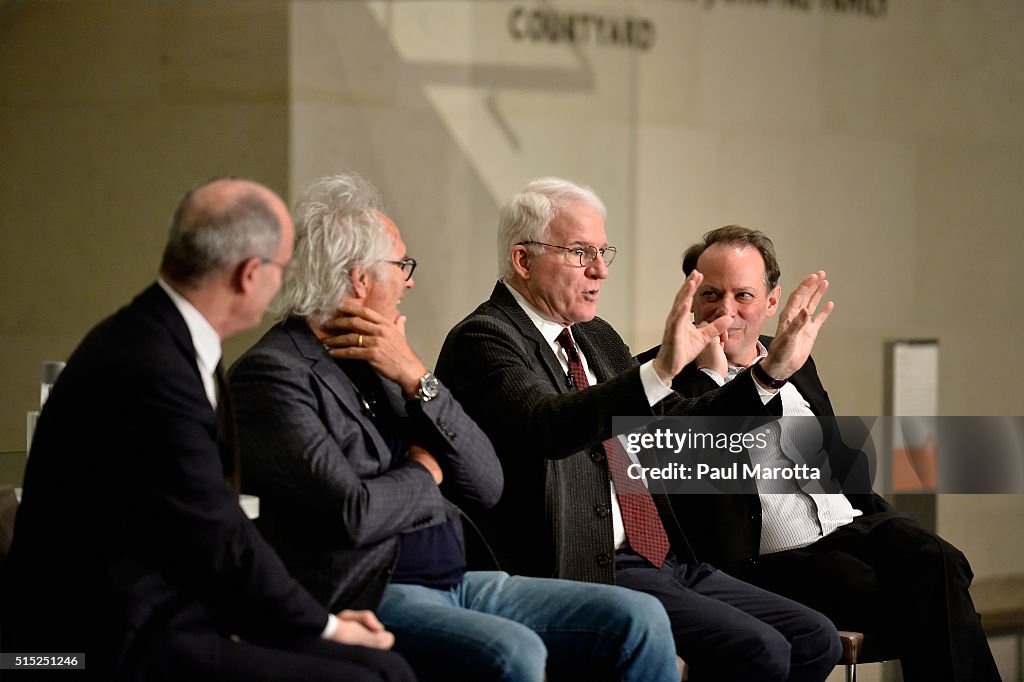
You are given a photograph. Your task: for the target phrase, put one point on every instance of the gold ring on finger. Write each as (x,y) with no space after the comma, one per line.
(359,341)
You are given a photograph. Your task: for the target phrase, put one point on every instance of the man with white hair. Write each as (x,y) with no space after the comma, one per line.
(357,453)
(543,376)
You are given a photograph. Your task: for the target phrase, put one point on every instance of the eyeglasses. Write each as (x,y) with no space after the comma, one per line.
(406,264)
(585,255)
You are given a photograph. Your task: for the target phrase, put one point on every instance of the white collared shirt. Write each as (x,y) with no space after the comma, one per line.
(790,517)
(205,339)
(654,389)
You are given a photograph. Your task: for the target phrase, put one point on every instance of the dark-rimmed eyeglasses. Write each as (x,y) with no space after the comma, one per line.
(406,264)
(584,255)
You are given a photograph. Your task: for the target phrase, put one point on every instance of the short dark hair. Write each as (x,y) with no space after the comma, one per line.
(208,236)
(737,236)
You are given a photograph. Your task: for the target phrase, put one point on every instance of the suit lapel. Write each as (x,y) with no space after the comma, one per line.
(543,353)
(595,359)
(155,301)
(807,382)
(339,383)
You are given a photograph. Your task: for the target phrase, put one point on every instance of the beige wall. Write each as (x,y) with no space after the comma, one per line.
(108,112)
(887,151)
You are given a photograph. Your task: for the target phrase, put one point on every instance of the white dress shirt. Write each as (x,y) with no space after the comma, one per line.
(790,516)
(206,341)
(654,389)
(204,338)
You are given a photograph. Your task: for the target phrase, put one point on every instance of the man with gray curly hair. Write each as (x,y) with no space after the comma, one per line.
(359,455)
(128,469)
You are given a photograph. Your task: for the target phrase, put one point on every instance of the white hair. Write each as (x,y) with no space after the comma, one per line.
(527,215)
(337,229)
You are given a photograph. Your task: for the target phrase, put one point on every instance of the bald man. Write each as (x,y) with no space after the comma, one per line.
(131,555)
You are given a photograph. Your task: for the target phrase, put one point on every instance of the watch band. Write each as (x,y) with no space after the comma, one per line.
(429,388)
(766,379)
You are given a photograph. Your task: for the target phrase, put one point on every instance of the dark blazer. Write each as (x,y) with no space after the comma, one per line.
(726,529)
(554,517)
(126,520)
(332,500)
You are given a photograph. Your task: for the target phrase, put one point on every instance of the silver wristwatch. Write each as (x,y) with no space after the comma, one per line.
(429,388)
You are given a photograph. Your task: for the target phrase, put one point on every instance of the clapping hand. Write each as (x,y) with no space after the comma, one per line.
(682,341)
(798,327)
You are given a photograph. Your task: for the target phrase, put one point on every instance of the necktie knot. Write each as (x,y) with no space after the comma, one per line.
(564,340)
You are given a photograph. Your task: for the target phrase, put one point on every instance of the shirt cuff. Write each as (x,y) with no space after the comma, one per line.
(654,389)
(715,376)
(766,394)
(332,625)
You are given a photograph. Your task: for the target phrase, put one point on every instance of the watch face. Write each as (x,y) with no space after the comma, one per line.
(430,385)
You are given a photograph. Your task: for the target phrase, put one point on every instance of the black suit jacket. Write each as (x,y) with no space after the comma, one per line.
(333,499)
(726,529)
(554,516)
(126,519)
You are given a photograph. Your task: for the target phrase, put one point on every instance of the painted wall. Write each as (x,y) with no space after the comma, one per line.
(883,145)
(109,111)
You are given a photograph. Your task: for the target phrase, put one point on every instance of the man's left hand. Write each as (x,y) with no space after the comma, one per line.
(360,333)
(682,341)
(798,327)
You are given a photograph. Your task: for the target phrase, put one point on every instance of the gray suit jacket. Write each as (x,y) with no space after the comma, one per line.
(332,502)
(554,517)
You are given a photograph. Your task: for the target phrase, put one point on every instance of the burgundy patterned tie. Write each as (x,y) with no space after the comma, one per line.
(640,517)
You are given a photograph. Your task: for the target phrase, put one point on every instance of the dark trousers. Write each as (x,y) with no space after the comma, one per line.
(886,575)
(189,649)
(726,629)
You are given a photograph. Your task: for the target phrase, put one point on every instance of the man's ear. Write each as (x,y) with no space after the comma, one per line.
(360,279)
(243,277)
(520,258)
(773,300)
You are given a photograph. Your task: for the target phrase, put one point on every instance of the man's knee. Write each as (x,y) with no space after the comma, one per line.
(937,557)
(819,642)
(646,630)
(755,654)
(642,614)
(519,656)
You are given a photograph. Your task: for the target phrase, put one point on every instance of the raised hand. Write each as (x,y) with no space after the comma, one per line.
(360,333)
(798,327)
(713,355)
(682,341)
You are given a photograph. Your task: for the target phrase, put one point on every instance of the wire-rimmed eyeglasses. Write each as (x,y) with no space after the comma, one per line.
(585,255)
(408,265)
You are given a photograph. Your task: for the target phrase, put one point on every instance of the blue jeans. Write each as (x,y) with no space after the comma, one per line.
(493,626)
